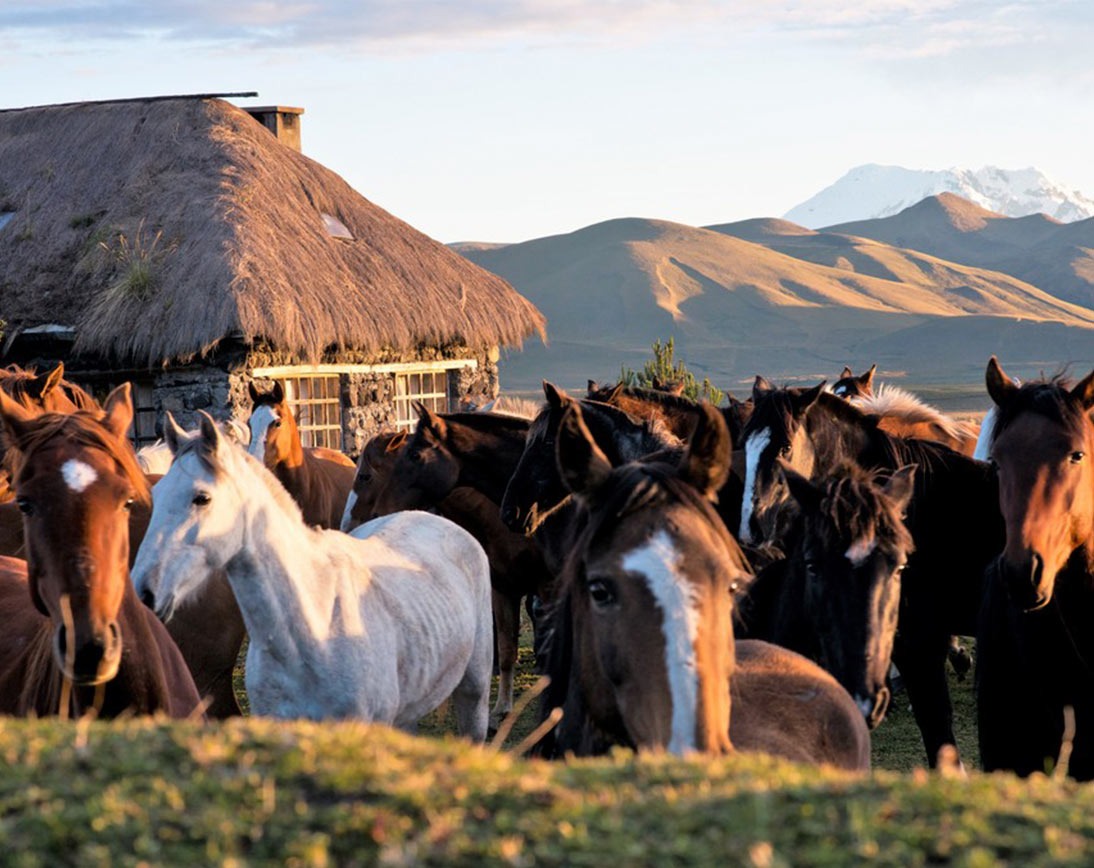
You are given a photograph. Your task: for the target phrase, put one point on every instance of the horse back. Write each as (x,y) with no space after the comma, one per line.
(786,705)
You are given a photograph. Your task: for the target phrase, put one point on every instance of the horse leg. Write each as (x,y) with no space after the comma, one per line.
(922,665)
(507,619)
(471,698)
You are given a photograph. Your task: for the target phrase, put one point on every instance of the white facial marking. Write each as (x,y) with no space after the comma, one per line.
(259,423)
(860,550)
(987,430)
(351,501)
(78,475)
(754,447)
(658,562)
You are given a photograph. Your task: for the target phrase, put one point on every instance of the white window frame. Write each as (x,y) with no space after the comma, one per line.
(302,401)
(404,404)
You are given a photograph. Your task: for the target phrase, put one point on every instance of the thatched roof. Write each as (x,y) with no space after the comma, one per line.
(157,228)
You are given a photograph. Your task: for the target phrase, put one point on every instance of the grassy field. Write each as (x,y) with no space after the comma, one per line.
(262,792)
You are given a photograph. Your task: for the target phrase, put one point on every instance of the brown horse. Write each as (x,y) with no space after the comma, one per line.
(209,632)
(71,612)
(1036,645)
(643,652)
(903,414)
(517,569)
(318,479)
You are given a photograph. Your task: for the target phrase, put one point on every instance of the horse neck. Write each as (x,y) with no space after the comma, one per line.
(487,460)
(838,437)
(278,576)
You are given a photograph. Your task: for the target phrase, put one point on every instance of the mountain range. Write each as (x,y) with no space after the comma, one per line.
(922,293)
(872,191)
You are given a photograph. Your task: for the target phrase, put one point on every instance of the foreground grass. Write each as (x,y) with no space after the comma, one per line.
(256,791)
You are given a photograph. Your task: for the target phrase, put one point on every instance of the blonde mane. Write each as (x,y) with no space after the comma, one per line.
(895,402)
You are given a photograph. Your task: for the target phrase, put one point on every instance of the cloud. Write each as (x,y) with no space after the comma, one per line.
(893,29)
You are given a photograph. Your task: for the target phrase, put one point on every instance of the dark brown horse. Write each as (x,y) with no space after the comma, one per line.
(71,618)
(512,559)
(318,479)
(953,517)
(1036,642)
(835,596)
(642,650)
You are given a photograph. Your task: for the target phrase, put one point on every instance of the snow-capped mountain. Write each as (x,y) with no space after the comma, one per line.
(872,191)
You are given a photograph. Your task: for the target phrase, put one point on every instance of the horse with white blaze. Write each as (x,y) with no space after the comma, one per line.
(382,625)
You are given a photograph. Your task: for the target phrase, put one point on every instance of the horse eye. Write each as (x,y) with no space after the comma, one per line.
(901,568)
(416,456)
(1076,457)
(128,505)
(600,593)
(25,506)
(202,498)
(785,452)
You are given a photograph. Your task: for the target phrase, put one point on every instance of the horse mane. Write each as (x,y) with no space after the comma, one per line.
(15,381)
(1050,398)
(84,428)
(653,396)
(894,401)
(489,423)
(522,408)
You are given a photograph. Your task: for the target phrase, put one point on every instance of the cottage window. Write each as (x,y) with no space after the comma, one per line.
(428,387)
(143,430)
(317,405)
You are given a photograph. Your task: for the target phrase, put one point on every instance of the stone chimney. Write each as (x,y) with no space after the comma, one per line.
(281,120)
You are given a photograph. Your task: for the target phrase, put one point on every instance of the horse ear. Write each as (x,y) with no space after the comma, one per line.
(761,387)
(554,394)
(1001,388)
(809,397)
(118,410)
(238,432)
(867,379)
(592,386)
(45,383)
(173,434)
(705,464)
(615,392)
(583,466)
(846,372)
(1084,391)
(802,490)
(15,417)
(430,420)
(901,486)
(209,432)
(277,393)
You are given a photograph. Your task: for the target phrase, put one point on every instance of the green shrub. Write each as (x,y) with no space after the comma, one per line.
(665,370)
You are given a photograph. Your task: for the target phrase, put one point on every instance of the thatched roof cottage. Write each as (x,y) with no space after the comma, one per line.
(177,243)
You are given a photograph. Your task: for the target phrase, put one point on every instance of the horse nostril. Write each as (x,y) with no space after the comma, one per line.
(1037,570)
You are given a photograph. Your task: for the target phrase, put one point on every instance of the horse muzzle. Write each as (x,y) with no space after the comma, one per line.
(873,709)
(1025,582)
(94,660)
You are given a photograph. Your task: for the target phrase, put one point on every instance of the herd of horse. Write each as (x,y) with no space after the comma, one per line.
(699,579)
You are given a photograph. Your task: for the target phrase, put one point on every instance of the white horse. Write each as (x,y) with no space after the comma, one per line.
(381,625)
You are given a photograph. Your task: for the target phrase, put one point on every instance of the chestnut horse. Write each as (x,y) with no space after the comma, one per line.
(1036,642)
(318,479)
(72,623)
(642,652)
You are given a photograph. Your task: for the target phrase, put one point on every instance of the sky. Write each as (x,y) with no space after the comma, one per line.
(505,120)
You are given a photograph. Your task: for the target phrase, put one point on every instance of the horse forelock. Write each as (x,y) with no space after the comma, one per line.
(1049,398)
(84,429)
(859,511)
(220,466)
